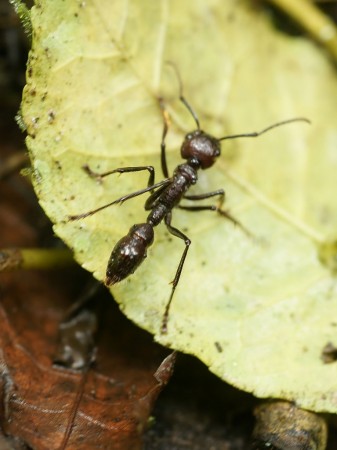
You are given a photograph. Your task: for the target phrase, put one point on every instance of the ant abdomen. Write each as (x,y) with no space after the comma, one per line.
(129,253)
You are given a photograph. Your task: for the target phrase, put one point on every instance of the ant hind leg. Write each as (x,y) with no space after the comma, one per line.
(217,208)
(180,235)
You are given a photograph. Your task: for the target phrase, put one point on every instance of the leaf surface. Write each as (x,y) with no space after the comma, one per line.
(258,311)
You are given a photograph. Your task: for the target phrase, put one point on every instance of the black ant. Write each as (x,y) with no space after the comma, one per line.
(200,150)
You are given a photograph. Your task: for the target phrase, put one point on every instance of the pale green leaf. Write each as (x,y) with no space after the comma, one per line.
(258,311)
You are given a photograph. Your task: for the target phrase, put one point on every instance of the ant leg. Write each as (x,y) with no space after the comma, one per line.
(166,120)
(175,281)
(218,209)
(122,199)
(219,192)
(151,201)
(99,176)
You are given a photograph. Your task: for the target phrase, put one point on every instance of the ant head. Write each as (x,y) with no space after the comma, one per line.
(202,147)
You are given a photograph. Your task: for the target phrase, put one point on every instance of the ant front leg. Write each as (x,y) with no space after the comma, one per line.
(179,234)
(217,208)
(100,176)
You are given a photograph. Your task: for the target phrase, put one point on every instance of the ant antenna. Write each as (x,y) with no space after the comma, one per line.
(233,136)
(181,95)
(258,133)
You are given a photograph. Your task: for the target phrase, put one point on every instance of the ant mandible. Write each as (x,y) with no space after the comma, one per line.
(200,150)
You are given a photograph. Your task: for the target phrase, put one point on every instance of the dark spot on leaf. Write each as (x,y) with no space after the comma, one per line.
(327,253)
(51,116)
(329,353)
(218,347)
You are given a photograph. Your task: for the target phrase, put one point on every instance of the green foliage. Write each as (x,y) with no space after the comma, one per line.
(24,14)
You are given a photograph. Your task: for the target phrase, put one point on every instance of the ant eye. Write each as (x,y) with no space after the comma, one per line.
(189,136)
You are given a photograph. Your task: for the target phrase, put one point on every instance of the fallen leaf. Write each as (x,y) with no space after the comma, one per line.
(257,311)
(47,406)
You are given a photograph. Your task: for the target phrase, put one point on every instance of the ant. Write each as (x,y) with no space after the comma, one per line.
(200,150)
